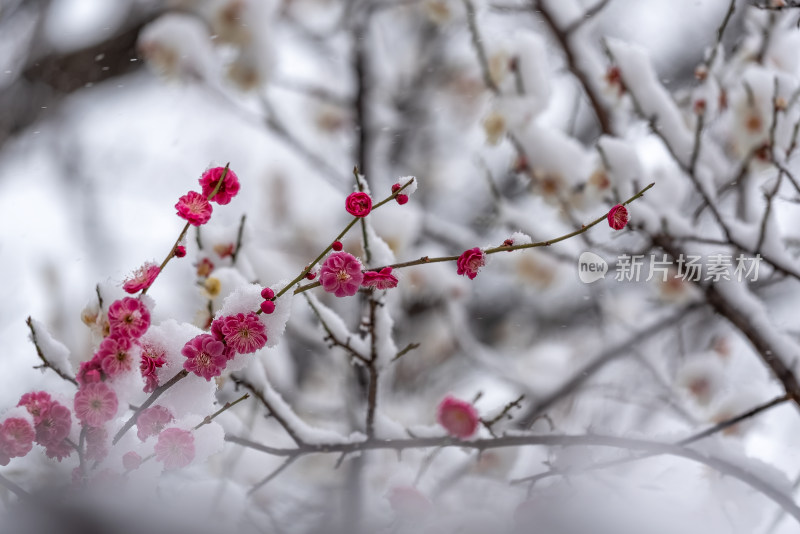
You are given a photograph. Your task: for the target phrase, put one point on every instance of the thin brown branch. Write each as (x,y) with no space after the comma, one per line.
(588,15)
(289,461)
(45,362)
(239,235)
(728,423)
(477,44)
(720,34)
(503,248)
(14,488)
(591,440)
(372,391)
(719,427)
(563,39)
(146,404)
(330,336)
(274,413)
(226,407)
(516,403)
(608,355)
(405,350)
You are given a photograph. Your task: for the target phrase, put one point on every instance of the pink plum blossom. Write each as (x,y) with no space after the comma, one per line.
(16,437)
(152,420)
(37,403)
(90,371)
(142,278)
(96,443)
(116,355)
(228,189)
(380,280)
(244,334)
(175,448)
(341,274)
(131,460)
(58,450)
(205,356)
(129,317)
(458,417)
(95,404)
(470,262)
(194,208)
(152,358)
(54,425)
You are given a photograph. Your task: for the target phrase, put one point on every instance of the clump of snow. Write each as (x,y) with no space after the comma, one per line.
(55,352)
(178,46)
(336,325)
(230,279)
(520,238)
(534,68)
(380,252)
(642,81)
(625,167)
(412,182)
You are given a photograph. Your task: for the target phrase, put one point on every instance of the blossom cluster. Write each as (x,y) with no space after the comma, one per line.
(208,354)
(219,185)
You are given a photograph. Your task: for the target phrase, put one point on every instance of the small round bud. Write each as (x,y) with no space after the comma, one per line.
(401,199)
(311,276)
(618,217)
(395,188)
(337,246)
(180,251)
(700,106)
(764,152)
(268,293)
(267,307)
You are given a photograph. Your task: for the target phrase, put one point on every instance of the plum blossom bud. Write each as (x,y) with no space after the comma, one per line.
(267,293)
(268,307)
(358,204)
(618,217)
(458,417)
(131,460)
(700,107)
